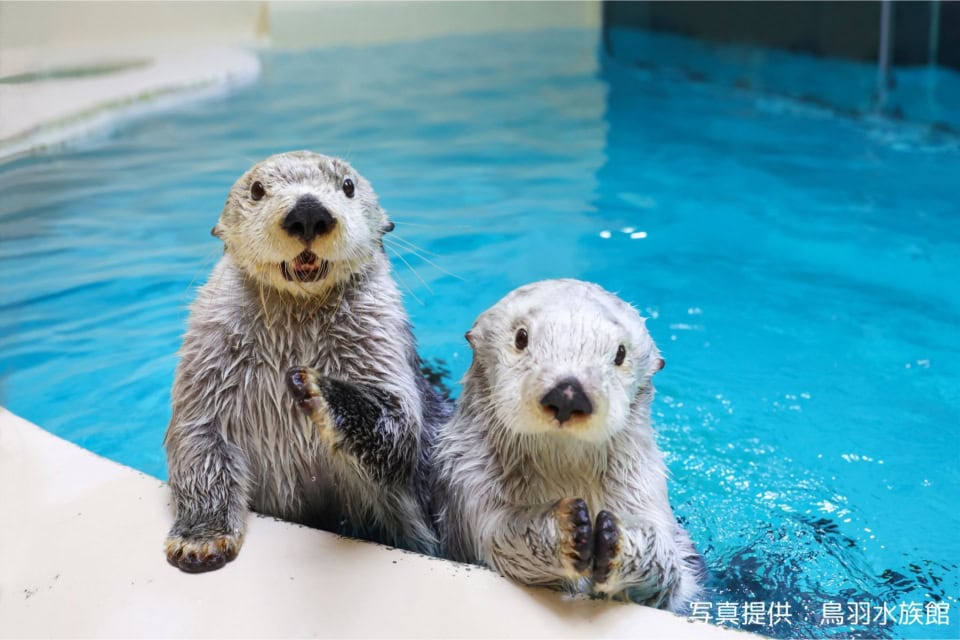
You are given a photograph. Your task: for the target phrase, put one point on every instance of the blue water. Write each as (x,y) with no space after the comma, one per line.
(798,266)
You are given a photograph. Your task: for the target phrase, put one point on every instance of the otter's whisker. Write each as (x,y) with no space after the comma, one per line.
(406,287)
(404,223)
(341,294)
(207,262)
(339,290)
(409,266)
(263,304)
(299,285)
(435,265)
(407,243)
(219,278)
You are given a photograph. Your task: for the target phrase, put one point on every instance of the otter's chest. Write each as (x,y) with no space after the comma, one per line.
(265,415)
(268,351)
(294,472)
(266,354)
(529,485)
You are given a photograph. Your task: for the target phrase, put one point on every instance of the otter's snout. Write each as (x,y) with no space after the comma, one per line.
(308,219)
(567,399)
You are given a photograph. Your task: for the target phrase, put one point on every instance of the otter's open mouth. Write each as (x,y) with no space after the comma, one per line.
(306,267)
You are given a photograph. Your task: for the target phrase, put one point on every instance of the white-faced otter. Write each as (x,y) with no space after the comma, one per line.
(303,280)
(554,425)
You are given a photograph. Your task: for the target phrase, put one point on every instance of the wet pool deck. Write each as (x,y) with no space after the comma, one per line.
(81,547)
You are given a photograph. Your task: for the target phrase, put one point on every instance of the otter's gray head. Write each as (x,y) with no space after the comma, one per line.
(564,357)
(301,222)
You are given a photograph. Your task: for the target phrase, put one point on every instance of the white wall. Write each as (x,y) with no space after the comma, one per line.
(62,24)
(308,24)
(285,24)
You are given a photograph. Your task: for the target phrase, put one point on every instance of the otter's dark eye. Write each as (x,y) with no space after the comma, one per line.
(257,191)
(621,355)
(348,188)
(521,339)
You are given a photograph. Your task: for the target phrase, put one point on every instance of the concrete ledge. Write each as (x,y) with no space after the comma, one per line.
(43,112)
(81,552)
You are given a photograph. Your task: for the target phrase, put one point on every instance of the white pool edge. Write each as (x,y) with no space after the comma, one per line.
(81,556)
(41,115)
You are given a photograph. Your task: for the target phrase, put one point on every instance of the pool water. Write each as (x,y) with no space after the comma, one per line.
(798,267)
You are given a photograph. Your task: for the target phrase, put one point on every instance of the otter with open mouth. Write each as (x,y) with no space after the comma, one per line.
(303,280)
(306,267)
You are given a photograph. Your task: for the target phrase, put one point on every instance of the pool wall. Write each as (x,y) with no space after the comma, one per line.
(822,54)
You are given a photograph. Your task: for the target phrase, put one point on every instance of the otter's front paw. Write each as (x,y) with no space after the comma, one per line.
(305,387)
(606,547)
(576,545)
(197,555)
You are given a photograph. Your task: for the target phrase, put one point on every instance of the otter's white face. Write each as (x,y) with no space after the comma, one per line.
(301,222)
(565,358)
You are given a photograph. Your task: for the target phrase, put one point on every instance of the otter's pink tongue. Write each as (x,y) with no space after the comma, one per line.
(306,267)
(305,260)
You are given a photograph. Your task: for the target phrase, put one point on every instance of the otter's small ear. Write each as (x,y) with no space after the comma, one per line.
(386,225)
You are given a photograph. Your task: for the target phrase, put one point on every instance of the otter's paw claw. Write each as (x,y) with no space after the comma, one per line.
(197,555)
(304,385)
(606,546)
(574,517)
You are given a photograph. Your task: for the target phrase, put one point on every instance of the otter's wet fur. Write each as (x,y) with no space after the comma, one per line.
(570,493)
(237,439)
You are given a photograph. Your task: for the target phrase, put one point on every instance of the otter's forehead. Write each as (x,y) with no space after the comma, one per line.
(299,167)
(558,299)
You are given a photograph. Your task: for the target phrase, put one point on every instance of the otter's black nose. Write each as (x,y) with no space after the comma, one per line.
(566,399)
(308,219)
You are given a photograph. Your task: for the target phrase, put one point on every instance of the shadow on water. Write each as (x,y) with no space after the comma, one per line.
(437,373)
